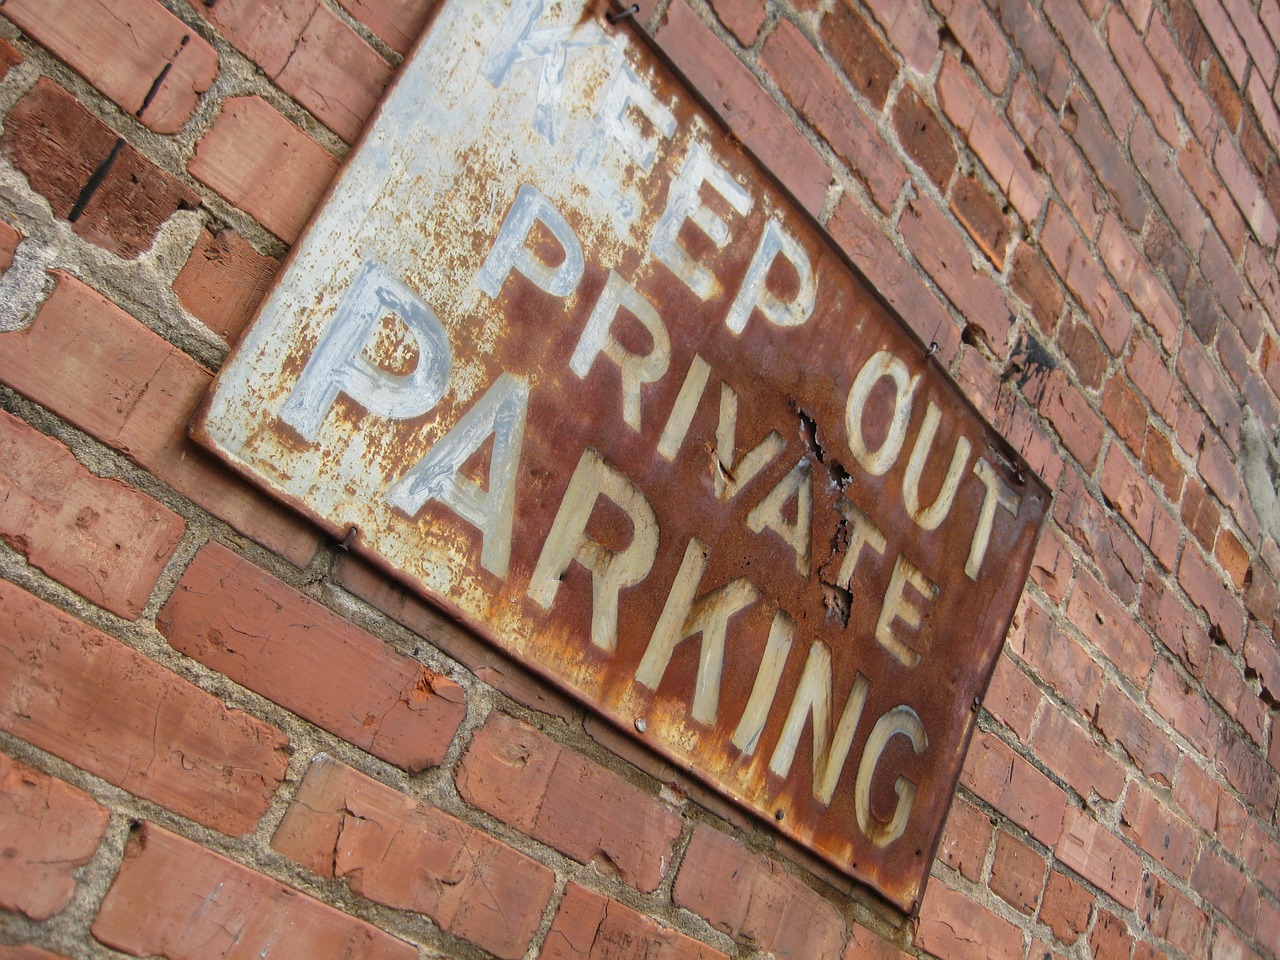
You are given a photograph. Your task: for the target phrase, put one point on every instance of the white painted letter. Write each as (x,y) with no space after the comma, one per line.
(997,495)
(611,570)
(338,364)
(883,364)
(900,720)
(509,251)
(754,292)
(929,518)
(437,476)
(896,606)
(862,533)
(781,632)
(768,513)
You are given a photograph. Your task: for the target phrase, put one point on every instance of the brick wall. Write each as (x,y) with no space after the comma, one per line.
(223,737)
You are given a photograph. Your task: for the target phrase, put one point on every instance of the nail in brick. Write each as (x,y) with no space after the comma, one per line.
(409,856)
(59,145)
(174,899)
(233,617)
(88,698)
(48,830)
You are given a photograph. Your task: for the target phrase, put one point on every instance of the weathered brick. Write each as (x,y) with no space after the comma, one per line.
(1017,873)
(102,706)
(1024,27)
(744,18)
(1126,413)
(819,97)
(1225,684)
(982,40)
(28,952)
(1161,464)
(172,898)
(1066,407)
(1014,787)
(1172,917)
(965,839)
(1136,64)
(1261,855)
(1263,658)
(590,926)
(1012,698)
(763,906)
(1227,944)
(991,141)
(48,831)
(1134,276)
(981,215)
(1080,271)
(1207,591)
(859,53)
(1247,771)
(235,618)
(1111,628)
(859,237)
(1126,489)
(1152,378)
(1122,723)
(909,30)
(865,945)
(51,138)
(1174,625)
(748,109)
(1109,940)
(1174,196)
(953,926)
(1069,751)
(223,282)
(1227,887)
(161,78)
(1096,65)
(1184,709)
(397,22)
(1209,806)
(1087,847)
(1084,352)
(941,251)
(923,137)
(9,240)
(1199,514)
(1183,83)
(1052,566)
(1086,126)
(1065,908)
(1218,266)
(591,814)
(263,164)
(89,361)
(1105,539)
(100,537)
(1224,479)
(1150,823)
(1244,188)
(403,854)
(1057,657)
(265,33)
(1213,196)
(1032,280)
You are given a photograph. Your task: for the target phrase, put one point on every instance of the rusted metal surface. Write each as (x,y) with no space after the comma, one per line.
(571,366)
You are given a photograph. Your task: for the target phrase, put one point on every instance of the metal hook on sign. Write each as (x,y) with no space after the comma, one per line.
(621,15)
(933,348)
(349,539)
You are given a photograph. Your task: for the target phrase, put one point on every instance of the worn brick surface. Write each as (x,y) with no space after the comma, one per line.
(763,906)
(159,81)
(102,538)
(590,926)
(859,53)
(48,830)
(223,282)
(398,22)
(89,361)
(1070,751)
(404,854)
(1066,907)
(1014,787)
(89,699)
(954,926)
(59,146)
(525,778)
(172,898)
(1087,847)
(965,839)
(233,617)
(1017,873)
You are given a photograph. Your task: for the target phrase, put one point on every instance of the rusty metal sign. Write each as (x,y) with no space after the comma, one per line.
(555,353)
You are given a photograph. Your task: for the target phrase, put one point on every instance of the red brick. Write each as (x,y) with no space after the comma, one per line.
(873,253)
(1225,37)
(1149,822)
(1014,787)
(1262,595)
(48,831)
(1057,657)
(965,839)
(27,952)
(1207,591)
(1218,266)
(1126,413)
(820,98)
(167,66)
(1087,847)
(1247,771)
(982,40)
(89,361)
(263,164)
(859,53)
(397,22)
(981,215)
(235,618)
(1033,281)
(1244,188)
(9,240)
(1121,722)
(59,145)
(223,282)
(1102,535)
(1065,907)
(1200,514)
(106,708)
(743,17)
(1208,806)
(9,58)
(1023,26)
(590,926)
(954,927)
(1226,887)
(1134,276)
(1151,89)
(591,814)
(1045,138)
(1261,855)
(1225,684)
(1081,119)
(1017,873)
(1268,923)
(1263,658)
(1080,271)
(1081,430)
(1185,709)
(1227,945)
(483,659)
(1174,625)
(1148,372)
(923,137)
(1095,62)
(403,854)
(172,898)
(1053,565)
(940,249)
(1172,917)
(1069,751)
(744,105)
(1172,192)
(1111,628)
(1200,176)
(865,945)
(1126,489)
(1031,438)
(1109,940)
(763,906)
(1182,81)
(1086,354)
(1224,479)
(1012,698)
(1161,464)
(910,31)
(991,141)
(100,537)
(266,33)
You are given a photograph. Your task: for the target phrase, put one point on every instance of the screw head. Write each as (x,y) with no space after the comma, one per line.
(642,724)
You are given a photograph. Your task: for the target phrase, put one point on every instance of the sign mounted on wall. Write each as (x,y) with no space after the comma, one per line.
(555,353)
